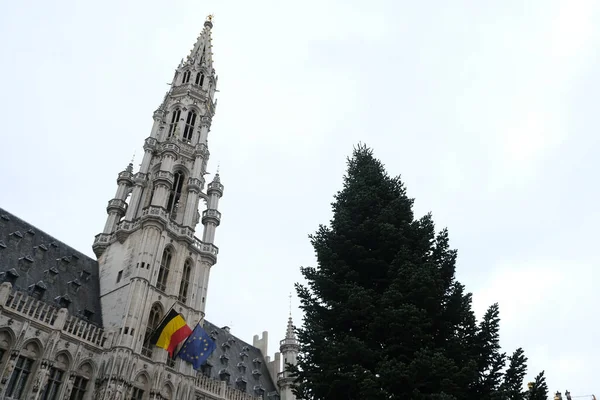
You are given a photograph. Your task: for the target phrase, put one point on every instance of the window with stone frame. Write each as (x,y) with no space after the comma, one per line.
(154,318)
(185,280)
(163,271)
(24,365)
(140,386)
(137,394)
(200,79)
(81,381)
(175,115)
(80,384)
(19,377)
(190,124)
(56,377)
(186,76)
(170,362)
(175,194)
(55,380)
(5,341)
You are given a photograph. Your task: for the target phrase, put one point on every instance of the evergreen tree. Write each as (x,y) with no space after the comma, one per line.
(384,317)
(539,390)
(512,387)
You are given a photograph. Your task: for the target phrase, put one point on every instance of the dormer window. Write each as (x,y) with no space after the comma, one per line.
(246,348)
(10,276)
(256,373)
(63,301)
(257,361)
(241,366)
(224,358)
(225,345)
(240,383)
(37,291)
(206,369)
(74,285)
(88,314)
(224,375)
(243,355)
(258,389)
(85,276)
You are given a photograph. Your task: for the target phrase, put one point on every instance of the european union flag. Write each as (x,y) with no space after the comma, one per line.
(197,348)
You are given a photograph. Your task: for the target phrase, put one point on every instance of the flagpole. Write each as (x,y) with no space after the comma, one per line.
(162,320)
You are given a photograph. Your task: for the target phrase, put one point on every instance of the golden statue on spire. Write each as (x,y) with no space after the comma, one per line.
(210,17)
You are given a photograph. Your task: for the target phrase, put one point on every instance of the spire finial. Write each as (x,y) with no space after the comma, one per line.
(133,157)
(290,304)
(218,167)
(209,21)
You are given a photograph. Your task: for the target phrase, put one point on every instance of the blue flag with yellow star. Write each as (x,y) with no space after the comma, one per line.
(197,348)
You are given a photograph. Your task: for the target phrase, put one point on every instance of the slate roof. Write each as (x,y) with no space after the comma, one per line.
(42,266)
(237,362)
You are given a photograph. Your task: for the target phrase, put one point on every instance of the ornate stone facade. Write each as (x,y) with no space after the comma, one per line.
(75,328)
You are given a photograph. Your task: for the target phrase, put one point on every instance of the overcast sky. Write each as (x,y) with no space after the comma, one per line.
(488,110)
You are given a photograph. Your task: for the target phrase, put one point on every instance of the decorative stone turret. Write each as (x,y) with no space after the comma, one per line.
(289,349)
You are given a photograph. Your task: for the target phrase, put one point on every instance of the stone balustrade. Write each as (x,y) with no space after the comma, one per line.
(220,390)
(54,318)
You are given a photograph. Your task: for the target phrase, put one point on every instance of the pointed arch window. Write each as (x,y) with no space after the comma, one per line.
(199,79)
(186,76)
(175,195)
(174,119)
(163,272)
(189,125)
(185,281)
(153,321)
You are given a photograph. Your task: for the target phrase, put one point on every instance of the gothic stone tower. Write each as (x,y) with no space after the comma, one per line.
(149,257)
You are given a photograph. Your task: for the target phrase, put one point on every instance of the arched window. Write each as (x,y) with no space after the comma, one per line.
(186,76)
(174,119)
(175,195)
(140,386)
(163,272)
(56,377)
(199,79)
(154,318)
(185,281)
(5,341)
(81,380)
(23,367)
(189,125)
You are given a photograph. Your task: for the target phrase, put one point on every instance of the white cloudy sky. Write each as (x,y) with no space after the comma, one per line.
(485,108)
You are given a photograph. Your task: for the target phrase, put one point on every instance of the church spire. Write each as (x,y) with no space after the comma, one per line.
(201,53)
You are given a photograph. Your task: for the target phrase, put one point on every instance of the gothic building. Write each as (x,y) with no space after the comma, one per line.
(75,328)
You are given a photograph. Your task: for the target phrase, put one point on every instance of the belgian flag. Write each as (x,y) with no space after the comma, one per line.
(172,330)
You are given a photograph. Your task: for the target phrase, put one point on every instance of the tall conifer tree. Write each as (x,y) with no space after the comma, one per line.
(384,317)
